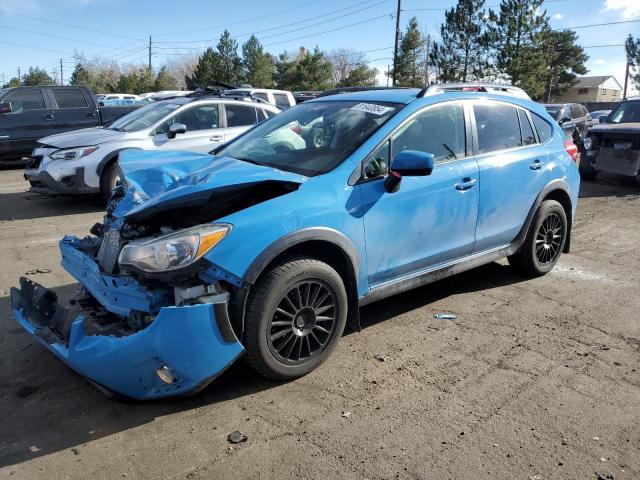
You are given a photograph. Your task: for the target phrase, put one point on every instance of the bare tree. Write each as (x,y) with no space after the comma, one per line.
(344,61)
(182,67)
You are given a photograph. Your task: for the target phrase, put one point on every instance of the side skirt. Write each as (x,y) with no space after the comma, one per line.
(439,272)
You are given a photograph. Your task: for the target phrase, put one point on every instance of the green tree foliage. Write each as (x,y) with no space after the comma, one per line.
(285,73)
(350,69)
(313,72)
(515,31)
(222,64)
(462,54)
(138,81)
(165,81)
(564,57)
(37,76)
(14,82)
(81,76)
(632,48)
(258,66)
(360,76)
(204,73)
(409,72)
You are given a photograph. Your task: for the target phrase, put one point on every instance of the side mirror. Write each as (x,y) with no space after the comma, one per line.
(409,163)
(564,120)
(5,107)
(175,129)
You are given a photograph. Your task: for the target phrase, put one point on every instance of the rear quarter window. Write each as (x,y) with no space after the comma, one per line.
(545,131)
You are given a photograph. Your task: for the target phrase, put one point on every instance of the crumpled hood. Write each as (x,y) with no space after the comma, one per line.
(633,127)
(156,181)
(81,138)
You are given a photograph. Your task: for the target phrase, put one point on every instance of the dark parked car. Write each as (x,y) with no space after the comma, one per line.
(613,146)
(573,118)
(30,113)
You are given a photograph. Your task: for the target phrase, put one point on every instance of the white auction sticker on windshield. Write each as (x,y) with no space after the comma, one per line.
(371,108)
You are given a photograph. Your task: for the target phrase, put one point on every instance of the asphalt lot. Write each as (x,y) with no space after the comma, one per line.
(535,377)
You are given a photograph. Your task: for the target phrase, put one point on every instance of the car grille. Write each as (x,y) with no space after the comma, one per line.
(109,250)
(34,162)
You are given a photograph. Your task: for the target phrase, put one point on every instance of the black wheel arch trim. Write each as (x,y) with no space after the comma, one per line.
(110,157)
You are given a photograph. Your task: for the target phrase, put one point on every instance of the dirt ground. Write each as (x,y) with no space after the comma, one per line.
(535,379)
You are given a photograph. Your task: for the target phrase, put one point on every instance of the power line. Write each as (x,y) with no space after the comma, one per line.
(601,24)
(447,9)
(60,37)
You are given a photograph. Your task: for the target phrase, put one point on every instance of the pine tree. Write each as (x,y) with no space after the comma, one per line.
(164,80)
(258,66)
(37,76)
(285,72)
(313,72)
(227,66)
(81,76)
(565,59)
(517,28)
(632,48)
(408,72)
(462,53)
(14,82)
(204,73)
(360,76)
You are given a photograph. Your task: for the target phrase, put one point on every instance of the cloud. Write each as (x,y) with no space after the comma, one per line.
(599,61)
(19,6)
(558,16)
(630,8)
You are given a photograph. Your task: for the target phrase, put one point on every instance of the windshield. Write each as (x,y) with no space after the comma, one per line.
(143,117)
(311,138)
(627,112)
(554,112)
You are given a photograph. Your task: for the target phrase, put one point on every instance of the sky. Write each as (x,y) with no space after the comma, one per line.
(40,32)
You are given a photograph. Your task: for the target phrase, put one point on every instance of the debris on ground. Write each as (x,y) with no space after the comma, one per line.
(236,437)
(602,459)
(604,476)
(346,414)
(444,316)
(38,270)
(380,357)
(27,390)
(537,476)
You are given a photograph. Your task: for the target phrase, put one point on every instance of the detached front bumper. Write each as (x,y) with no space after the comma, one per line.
(192,343)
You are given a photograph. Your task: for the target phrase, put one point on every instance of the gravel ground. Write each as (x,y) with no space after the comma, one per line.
(535,379)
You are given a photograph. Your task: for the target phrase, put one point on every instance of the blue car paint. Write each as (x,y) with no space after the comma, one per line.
(427,223)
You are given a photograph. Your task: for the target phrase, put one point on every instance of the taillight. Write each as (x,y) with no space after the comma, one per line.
(296,129)
(571,149)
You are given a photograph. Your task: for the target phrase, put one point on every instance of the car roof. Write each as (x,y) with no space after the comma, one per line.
(213,99)
(392,95)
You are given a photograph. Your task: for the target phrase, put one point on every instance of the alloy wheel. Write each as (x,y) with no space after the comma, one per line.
(549,239)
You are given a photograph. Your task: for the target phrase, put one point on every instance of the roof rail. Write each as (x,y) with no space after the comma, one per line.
(475,87)
(340,90)
(242,95)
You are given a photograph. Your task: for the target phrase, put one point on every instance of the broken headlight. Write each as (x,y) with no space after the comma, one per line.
(72,153)
(174,250)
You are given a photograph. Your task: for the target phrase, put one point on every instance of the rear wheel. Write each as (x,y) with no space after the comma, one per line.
(108,180)
(295,317)
(544,242)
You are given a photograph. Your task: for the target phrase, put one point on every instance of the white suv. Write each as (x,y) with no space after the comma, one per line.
(85,161)
(283,99)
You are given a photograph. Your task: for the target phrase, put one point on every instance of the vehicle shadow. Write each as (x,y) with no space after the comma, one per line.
(27,206)
(609,185)
(46,407)
(14,165)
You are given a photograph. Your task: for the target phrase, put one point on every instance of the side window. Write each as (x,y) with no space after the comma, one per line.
(240,115)
(268,113)
(528,137)
(585,112)
(23,100)
(282,100)
(544,129)
(576,111)
(261,96)
(69,98)
(200,117)
(438,130)
(378,164)
(498,127)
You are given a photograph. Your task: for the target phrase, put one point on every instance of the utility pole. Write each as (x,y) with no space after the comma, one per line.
(388,68)
(626,80)
(149,52)
(395,46)
(61,75)
(19,76)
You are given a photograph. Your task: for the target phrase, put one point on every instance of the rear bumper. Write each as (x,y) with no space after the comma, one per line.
(189,340)
(44,183)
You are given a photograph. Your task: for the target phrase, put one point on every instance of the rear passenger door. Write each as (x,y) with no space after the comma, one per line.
(513,170)
(73,109)
(238,119)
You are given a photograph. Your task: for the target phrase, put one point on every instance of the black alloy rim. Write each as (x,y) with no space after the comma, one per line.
(303,322)
(549,238)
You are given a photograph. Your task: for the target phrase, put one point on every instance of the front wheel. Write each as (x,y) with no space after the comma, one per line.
(544,242)
(108,180)
(295,318)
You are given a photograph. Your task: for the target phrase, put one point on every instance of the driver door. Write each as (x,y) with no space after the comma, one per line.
(430,220)
(203,130)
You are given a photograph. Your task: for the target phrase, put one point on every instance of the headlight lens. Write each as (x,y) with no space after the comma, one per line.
(174,250)
(72,153)
(588,143)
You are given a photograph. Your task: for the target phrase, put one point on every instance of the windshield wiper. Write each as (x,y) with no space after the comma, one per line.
(117,129)
(251,160)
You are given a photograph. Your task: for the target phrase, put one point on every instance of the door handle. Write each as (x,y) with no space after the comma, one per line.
(536,165)
(91,114)
(48,116)
(215,138)
(466,184)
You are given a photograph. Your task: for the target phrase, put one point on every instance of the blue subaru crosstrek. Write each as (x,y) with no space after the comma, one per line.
(268,246)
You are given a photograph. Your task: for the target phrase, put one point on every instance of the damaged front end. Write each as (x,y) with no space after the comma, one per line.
(152,317)
(614,149)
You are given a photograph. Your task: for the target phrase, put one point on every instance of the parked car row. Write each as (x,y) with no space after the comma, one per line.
(268,246)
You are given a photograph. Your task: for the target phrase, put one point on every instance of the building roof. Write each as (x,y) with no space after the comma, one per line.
(596,81)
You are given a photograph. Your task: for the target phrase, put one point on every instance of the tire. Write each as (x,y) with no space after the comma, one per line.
(108,180)
(587,172)
(542,249)
(298,343)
